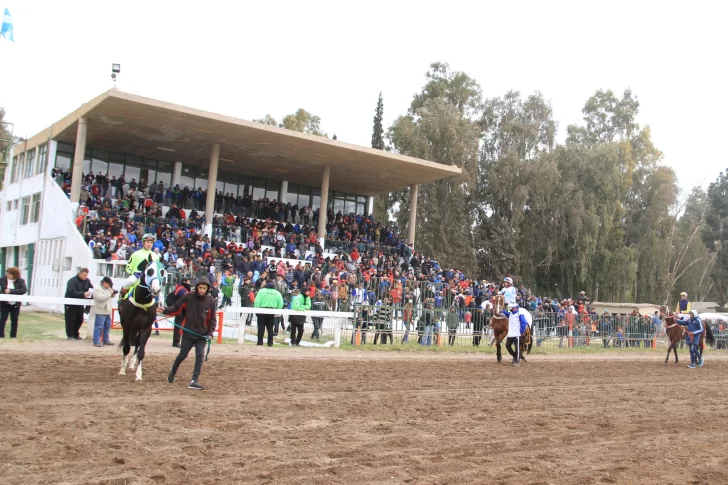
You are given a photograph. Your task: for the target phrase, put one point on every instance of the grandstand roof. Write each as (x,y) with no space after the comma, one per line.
(145,127)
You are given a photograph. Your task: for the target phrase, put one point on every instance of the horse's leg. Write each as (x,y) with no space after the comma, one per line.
(498,354)
(143,344)
(126,347)
(133,361)
(674,349)
(669,349)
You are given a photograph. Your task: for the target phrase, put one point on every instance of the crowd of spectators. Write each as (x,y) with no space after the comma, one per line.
(372,265)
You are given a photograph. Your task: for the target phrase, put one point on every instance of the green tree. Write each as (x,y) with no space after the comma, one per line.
(441,126)
(6,142)
(304,122)
(267,120)
(715,235)
(378,131)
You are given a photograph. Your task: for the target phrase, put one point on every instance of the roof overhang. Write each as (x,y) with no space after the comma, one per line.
(135,125)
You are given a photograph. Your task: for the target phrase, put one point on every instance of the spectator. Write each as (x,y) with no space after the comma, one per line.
(300,303)
(267,297)
(226,288)
(452,325)
(180,290)
(11,284)
(102,308)
(78,286)
(318,304)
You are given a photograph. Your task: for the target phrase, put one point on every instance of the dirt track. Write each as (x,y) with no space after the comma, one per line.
(309,416)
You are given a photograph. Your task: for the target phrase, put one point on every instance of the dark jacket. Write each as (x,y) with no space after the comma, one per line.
(20,289)
(76,287)
(199,313)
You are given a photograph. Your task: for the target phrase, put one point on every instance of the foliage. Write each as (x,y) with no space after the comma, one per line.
(715,235)
(301,121)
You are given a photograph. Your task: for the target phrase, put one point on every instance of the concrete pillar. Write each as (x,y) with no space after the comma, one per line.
(177,173)
(324,204)
(413,213)
(78,157)
(370,205)
(283,199)
(211,187)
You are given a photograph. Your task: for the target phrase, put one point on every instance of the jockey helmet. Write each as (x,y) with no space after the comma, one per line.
(507,280)
(683,294)
(149,236)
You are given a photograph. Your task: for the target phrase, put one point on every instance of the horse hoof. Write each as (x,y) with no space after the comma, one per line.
(122,373)
(137,379)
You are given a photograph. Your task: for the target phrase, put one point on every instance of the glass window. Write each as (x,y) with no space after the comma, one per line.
(258,193)
(86,166)
(115,170)
(35,208)
(65,147)
(18,174)
(99,166)
(164,177)
(117,157)
(42,158)
(315,202)
(338,205)
(63,161)
(133,161)
(101,155)
(131,172)
(220,186)
(149,171)
(200,183)
(361,209)
(185,181)
(25,210)
(349,207)
(14,171)
(10,205)
(231,189)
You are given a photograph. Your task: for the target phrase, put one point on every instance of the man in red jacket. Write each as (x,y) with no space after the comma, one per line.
(200,321)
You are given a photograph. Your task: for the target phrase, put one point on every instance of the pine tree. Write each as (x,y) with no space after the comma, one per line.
(378,131)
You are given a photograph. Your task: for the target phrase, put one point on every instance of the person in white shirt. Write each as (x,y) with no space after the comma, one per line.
(508,291)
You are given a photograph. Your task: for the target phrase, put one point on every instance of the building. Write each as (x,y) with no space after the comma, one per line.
(141,138)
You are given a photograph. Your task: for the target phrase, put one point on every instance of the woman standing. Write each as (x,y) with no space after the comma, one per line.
(300,303)
(11,284)
(319,305)
(407,319)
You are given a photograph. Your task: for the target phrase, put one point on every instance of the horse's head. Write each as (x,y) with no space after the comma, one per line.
(499,303)
(153,276)
(664,311)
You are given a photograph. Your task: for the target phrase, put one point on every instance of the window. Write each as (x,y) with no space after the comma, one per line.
(18,168)
(42,159)
(29,163)
(63,161)
(15,204)
(10,206)
(35,208)
(25,210)
(14,170)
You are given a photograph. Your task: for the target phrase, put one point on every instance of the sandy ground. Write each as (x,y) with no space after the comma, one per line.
(326,416)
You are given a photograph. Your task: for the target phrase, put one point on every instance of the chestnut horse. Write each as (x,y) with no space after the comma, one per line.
(499,325)
(676,332)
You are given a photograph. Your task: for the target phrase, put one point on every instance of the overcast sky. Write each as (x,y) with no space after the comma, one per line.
(247,59)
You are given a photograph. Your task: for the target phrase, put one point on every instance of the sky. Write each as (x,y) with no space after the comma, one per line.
(248,59)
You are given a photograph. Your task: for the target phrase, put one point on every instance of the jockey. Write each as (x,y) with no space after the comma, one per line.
(683,306)
(692,338)
(138,263)
(517,324)
(509,291)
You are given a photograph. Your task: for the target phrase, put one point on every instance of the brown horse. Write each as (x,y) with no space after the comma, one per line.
(499,324)
(676,332)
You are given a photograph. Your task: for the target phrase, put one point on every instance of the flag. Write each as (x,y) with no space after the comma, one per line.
(7,28)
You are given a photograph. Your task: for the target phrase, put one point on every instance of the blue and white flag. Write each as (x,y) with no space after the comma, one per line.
(7,28)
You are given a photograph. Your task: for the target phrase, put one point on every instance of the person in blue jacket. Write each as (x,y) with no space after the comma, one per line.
(695,329)
(517,324)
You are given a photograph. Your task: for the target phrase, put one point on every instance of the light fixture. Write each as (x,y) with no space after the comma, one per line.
(203,131)
(166,149)
(263,143)
(226,160)
(280,170)
(115,69)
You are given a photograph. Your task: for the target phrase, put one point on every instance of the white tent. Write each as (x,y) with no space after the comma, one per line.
(714,317)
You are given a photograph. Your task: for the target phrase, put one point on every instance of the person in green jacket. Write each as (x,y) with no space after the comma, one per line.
(267,297)
(226,288)
(300,303)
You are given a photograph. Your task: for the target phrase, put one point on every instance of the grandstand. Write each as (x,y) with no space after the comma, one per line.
(140,140)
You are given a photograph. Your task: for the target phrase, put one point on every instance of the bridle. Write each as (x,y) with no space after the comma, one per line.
(151,274)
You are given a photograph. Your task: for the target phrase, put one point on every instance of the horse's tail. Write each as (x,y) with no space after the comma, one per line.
(530,341)
(709,339)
